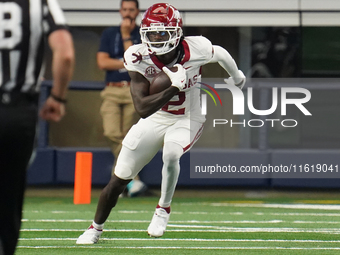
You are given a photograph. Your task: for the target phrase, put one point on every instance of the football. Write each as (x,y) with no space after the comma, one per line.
(160,82)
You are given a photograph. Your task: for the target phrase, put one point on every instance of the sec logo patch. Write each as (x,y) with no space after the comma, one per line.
(150,72)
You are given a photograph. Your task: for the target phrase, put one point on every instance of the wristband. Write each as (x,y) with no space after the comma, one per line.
(58,99)
(127,39)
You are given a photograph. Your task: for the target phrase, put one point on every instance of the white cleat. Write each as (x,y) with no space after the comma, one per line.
(158,223)
(90,236)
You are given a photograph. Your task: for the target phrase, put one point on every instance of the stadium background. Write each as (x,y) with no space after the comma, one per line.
(276,39)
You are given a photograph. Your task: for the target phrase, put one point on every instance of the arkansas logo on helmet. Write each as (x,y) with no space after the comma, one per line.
(161,28)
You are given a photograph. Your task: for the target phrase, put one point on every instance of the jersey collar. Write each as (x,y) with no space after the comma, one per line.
(184,55)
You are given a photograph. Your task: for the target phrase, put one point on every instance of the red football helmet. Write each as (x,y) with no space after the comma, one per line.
(161,28)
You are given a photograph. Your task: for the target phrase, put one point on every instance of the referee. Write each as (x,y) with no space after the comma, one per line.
(24,27)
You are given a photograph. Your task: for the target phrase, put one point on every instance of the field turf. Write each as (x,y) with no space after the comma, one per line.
(201,222)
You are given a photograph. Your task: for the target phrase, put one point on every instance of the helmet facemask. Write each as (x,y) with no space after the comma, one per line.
(170,37)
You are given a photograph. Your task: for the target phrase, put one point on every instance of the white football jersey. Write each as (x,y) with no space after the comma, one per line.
(198,51)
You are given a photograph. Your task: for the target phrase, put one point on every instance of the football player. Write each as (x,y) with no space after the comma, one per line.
(171,119)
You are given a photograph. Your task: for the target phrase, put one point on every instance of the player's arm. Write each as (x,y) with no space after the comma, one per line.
(144,103)
(61,44)
(225,60)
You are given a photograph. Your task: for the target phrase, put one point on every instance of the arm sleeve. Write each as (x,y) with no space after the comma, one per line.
(132,58)
(225,60)
(53,16)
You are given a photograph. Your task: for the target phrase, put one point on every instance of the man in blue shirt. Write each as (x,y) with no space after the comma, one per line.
(117,109)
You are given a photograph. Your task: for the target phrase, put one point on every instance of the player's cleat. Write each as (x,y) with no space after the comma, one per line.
(136,188)
(158,223)
(90,236)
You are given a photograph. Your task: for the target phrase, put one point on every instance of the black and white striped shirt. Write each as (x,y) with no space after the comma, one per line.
(24,25)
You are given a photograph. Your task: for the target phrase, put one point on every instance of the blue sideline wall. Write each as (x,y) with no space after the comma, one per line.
(55,166)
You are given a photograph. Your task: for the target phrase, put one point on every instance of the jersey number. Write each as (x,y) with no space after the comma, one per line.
(10,37)
(180,101)
(10,30)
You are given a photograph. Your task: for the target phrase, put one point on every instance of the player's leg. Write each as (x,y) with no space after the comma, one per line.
(172,153)
(139,146)
(129,117)
(108,198)
(170,171)
(178,139)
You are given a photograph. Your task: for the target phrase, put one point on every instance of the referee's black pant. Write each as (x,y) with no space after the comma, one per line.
(18,118)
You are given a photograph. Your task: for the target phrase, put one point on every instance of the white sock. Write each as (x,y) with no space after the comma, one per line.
(98,226)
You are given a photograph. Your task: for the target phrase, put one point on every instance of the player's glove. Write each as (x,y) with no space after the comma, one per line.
(238,81)
(177,78)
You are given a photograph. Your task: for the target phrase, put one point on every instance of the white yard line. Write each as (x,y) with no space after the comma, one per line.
(302,214)
(177,248)
(188,240)
(252,205)
(277,206)
(148,221)
(187,221)
(214,230)
(315,222)
(137,212)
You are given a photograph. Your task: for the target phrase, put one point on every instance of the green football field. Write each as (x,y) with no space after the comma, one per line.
(201,222)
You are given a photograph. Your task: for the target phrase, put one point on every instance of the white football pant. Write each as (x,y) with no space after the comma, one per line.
(146,138)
